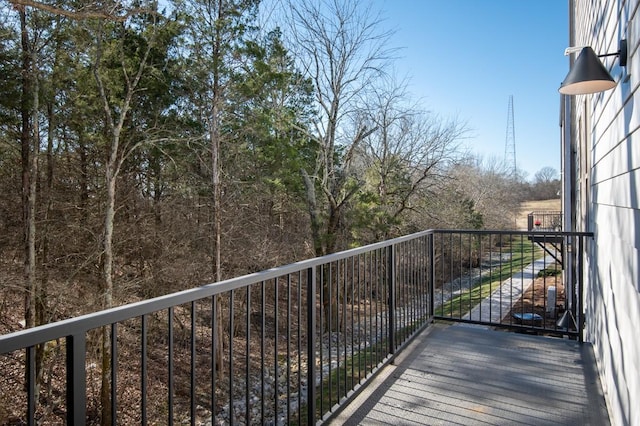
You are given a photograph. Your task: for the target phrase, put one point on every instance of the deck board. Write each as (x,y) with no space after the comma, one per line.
(455,374)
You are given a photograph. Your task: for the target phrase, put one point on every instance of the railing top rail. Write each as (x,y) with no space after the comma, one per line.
(556,212)
(514,232)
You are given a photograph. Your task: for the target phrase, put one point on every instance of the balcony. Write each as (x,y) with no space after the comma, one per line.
(296,344)
(463,375)
(544,221)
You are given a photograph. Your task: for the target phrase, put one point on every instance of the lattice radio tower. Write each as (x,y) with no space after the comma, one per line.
(510,144)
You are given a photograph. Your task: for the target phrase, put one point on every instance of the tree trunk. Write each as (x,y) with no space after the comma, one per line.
(41,295)
(107,291)
(217,239)
(214,133)
(29,168)
(314,214)
(30,146)
(84,177)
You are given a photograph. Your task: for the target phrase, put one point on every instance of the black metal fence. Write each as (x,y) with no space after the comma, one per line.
(544,221)
(284,346)
(529,281)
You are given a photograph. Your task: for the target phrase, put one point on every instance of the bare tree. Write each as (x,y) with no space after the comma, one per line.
(486,188)
(341,48)
(546,184)
(111,10)
(407,156)
(546,174)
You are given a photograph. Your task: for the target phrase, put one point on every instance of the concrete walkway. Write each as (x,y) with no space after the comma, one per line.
(473,376)
(498,304)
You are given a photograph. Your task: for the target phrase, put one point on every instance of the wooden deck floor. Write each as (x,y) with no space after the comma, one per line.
(455,374)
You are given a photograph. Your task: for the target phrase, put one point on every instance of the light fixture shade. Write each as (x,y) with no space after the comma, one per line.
(587,75)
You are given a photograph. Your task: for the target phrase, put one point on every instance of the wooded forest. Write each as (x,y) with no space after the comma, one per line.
(150,147)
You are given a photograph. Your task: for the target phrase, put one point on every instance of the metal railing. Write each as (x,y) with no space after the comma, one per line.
(544,221)
(529,281)
(285,346)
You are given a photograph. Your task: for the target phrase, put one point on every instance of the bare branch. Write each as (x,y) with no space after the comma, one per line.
(117,12)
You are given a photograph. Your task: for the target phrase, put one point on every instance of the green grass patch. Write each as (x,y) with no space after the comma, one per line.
(461,304)
(522,254)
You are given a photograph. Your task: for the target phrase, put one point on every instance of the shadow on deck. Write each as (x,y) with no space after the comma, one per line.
(456,374)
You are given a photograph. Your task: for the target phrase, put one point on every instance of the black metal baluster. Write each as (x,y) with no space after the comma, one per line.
(31,384)
(360,306)
(460,310)
(214,343)
(380,302)
(322,269)
(170,369)
(192,384)
(521,269)
(451,260)
(432,274)
(331,325)
(299,350)
(367,315)
(262,350)
(391,299)
(143,372)
(76,347)
(288,364)
(114,372)
(470,283)
(339,325)
(491,278)
(311,346)
(231,372)
(276,371)
(247,371)
(353,328)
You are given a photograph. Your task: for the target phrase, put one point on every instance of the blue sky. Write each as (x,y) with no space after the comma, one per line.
(465,58)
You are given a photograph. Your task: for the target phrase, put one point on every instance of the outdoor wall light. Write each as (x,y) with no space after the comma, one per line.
(588,75)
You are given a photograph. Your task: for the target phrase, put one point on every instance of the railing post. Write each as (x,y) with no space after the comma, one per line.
(76,379)
(114,372)
(31,385)
(391,280)
(580,304)
(571,268)
(311,345)
(432,275)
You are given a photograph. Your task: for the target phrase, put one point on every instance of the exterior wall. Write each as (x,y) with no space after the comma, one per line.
(606,136)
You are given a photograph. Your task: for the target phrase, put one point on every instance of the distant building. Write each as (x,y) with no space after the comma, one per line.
(601,181)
